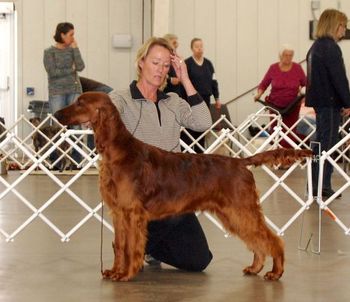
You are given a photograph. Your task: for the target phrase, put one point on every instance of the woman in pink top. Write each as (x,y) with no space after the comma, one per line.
(286,79)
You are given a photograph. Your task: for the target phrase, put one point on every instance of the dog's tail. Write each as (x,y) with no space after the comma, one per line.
(284,157)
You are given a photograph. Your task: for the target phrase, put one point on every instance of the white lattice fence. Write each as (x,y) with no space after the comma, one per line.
(22,153)
(234,139)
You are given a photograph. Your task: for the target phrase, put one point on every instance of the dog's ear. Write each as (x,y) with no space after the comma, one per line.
(101,130)
(95,116)
(99,117)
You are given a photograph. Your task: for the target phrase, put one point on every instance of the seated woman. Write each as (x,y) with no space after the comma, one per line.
(286,79)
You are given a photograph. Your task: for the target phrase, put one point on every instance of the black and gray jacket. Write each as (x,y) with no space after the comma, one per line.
(159,123)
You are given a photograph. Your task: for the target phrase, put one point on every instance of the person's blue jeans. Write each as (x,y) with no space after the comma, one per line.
(57,102)
(60,101)
(327,129)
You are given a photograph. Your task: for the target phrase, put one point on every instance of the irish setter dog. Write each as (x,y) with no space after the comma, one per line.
(140,183)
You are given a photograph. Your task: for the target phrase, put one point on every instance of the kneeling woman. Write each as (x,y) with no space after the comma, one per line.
(156,118)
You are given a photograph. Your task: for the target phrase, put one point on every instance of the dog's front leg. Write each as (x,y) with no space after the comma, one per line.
(136,242)
(118,269)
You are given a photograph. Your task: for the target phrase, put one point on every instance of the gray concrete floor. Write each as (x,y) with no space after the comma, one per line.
(38,267)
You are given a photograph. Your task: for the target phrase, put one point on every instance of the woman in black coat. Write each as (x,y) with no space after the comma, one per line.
(327,89)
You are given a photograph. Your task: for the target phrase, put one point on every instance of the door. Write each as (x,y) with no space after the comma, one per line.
(8,105)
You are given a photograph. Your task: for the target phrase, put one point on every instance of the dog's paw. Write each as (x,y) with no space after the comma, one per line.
(250,270)
(272,276)
(110,274)
(115,276)
(107,274)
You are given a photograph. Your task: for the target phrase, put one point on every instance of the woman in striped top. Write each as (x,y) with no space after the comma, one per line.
(156,118)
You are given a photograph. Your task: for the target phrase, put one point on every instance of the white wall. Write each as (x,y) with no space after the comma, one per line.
(242,38)
(95,23)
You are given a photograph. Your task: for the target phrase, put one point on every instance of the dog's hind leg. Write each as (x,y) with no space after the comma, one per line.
(267,243)
(277,253)
(248,223)
(257,265)
(232,222)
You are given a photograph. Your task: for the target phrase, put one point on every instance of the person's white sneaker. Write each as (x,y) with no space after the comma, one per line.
(151,261)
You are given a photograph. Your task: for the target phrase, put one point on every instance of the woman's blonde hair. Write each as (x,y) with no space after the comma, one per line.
(146,48)
(170,37)
(329,22)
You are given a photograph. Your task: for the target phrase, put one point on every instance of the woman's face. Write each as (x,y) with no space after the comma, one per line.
(341,31)
(68,38)
(287,57)
(155,66)
(197,48)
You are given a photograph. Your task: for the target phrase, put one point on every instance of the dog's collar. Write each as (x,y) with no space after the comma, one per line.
(136,93)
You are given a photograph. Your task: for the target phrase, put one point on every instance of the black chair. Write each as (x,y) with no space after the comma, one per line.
(92,85)
(286,110)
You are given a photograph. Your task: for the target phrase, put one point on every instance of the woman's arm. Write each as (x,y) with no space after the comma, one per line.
(194,114)
(338,78)
(78,60)
(215,86)
(266,81)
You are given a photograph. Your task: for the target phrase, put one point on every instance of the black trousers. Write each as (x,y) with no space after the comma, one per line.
(327,127)
(179,241)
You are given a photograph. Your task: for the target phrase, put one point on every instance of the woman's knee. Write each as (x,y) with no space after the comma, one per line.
(199,263)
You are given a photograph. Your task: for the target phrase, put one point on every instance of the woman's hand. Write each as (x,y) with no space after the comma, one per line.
(258,95)
(74,44)
(179,67)
(217,104)
(182,74)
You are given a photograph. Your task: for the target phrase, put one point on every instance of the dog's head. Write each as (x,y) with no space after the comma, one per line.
(90,107)
(35,121)
(97,109)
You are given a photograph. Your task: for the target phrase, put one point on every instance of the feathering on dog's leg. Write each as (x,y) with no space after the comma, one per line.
(136,242)
(248,223)
(118,268)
